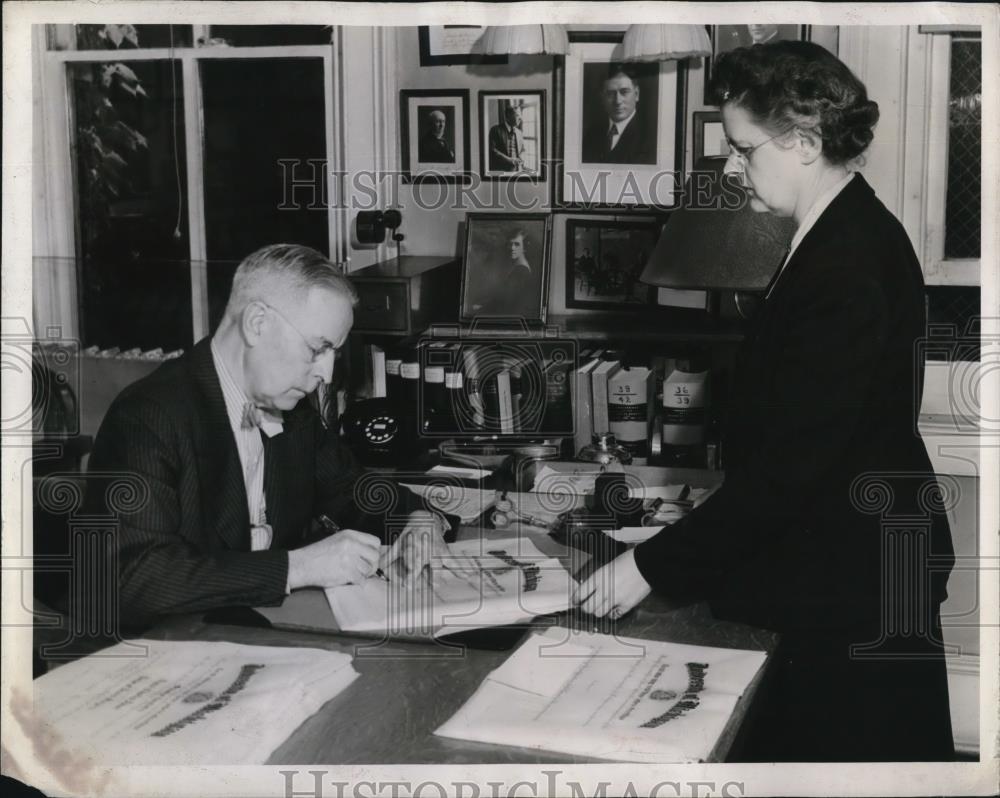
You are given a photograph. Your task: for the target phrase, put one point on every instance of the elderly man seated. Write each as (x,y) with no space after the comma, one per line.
(237,467)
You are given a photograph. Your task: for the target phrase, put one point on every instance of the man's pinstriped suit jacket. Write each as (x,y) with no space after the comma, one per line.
(186,548)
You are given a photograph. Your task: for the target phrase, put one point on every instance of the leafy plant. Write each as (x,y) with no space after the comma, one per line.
(105,143)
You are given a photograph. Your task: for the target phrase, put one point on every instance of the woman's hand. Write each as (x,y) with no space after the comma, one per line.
(614,589)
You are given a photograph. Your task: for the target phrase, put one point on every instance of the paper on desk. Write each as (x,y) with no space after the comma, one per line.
(467,503)
(608,697)
(481,583)
(200,703)
(544,506)
(633,534)
(548,480)
(460,471)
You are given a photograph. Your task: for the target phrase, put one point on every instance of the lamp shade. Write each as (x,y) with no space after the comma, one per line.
(706,245)
(665,42)
(525,40)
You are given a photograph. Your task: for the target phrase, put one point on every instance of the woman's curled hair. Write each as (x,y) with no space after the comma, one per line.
(799,84)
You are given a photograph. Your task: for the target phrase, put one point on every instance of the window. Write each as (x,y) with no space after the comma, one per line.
(963,201)
(945,85)
(176,137)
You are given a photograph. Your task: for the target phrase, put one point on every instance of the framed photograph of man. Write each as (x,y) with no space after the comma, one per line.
(435,135)
(506,266)
(729,37)
(619,128)
(604,259)
(512,135)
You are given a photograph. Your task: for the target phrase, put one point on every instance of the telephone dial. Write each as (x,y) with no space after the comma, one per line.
(374,431)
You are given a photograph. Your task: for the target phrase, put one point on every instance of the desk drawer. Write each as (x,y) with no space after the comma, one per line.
(381,307)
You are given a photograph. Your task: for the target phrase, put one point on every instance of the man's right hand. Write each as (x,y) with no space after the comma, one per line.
(346,557)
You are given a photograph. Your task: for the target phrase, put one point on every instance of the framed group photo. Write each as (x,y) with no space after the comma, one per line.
(505,266)
(512,135)
(729,37)
(604,259)
(619,127)
(435,135)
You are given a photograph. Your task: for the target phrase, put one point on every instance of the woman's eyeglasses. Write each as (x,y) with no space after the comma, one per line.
(744,153)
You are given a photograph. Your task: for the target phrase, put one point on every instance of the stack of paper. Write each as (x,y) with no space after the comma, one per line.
(481,583)
(467,503)
(185,703)
(608,697)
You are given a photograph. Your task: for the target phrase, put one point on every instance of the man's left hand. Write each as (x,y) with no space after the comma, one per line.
(421,539)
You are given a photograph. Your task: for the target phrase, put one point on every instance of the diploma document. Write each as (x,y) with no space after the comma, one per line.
(155,702)
(608,697)
(480,583)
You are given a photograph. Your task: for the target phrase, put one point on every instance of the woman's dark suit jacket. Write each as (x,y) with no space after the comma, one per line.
(828,527)
(185,547)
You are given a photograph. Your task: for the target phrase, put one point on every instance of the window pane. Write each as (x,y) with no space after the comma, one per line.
(258,112)
(271,35)
(134,278)
(125,37)
(963,220)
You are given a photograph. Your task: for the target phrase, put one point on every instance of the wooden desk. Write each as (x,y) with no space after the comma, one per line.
(408,689)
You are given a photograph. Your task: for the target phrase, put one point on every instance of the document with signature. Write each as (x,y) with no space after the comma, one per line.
(156,702)
(608,697)
(480,583)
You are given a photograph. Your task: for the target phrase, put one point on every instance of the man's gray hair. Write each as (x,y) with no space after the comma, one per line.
(285,271)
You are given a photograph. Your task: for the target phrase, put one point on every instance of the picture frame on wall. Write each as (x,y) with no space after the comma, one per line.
(619,128)
(728,37)
(434,135)
(604,259)
(505,267)
(512,135)
(708,136)
(451,45)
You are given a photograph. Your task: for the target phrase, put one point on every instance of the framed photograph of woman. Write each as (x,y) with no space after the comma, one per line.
(512,135)
(729,37)
(619,128)
(604,259)
(506,266)
(435,135)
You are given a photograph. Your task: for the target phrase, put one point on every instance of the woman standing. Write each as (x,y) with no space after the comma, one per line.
(829,527)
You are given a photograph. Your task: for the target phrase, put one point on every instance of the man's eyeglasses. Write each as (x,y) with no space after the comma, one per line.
(315,353)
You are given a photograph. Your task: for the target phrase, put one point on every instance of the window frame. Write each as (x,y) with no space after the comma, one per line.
(930,77)
(57,237)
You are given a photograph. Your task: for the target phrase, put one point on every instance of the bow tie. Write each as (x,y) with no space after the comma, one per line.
(269,422)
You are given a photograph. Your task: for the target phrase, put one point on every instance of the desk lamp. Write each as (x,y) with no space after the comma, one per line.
(715,240)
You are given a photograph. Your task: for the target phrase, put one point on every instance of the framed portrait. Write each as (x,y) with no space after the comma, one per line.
(447,45)
(604,259)
(434,135)
(729,37)
(512,135)
(619,128)
(506,266)
(709,137)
